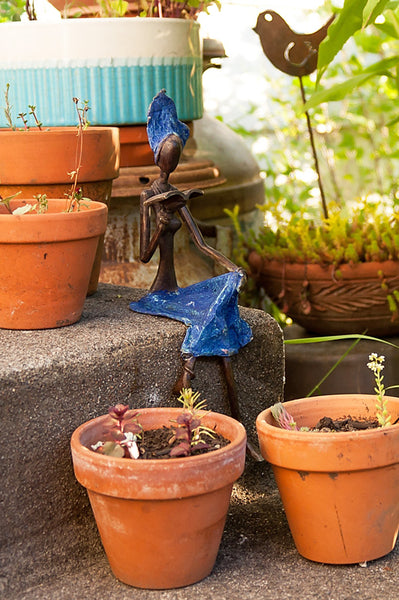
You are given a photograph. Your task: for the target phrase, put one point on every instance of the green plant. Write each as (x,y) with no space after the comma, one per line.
(125,437)
(376,365)
(112,8)
(12,10)
(187,9)
(75,199)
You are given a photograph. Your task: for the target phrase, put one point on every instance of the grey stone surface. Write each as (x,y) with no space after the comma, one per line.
(257,560)
(53,380)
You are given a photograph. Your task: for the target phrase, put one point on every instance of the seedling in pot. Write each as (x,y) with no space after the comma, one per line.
(382,416)
(186,435)
(123,442)
(75,199)
(188,429)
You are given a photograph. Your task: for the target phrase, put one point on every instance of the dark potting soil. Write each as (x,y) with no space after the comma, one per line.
(329,425)
(155,443)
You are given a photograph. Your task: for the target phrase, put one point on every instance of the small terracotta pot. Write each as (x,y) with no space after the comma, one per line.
(135,149)
(340,490)
(40,162)
(46,263)
(160,521)
(326,302)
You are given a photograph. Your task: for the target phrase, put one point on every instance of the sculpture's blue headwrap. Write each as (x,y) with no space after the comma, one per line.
(163,121)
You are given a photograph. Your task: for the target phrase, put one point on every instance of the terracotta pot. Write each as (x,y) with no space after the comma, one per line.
(340,490)
(39,162)
(46,262)
(160,521)
(326,302)
(135,149)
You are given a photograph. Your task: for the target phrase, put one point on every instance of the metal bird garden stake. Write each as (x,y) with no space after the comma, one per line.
(294,54)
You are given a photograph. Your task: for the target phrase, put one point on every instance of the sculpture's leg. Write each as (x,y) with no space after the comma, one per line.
(184,380)
(233,402)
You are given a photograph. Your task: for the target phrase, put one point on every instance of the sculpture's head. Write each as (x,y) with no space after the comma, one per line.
(166,134)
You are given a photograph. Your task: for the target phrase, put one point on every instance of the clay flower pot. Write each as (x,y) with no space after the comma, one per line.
(46,263)
(40,162)
(340,490)
(319,300)
(160,521)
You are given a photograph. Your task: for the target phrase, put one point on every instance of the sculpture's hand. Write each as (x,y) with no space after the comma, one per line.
(244,278)
(173,203)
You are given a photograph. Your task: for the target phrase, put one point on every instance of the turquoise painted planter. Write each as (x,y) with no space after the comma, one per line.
(118,65)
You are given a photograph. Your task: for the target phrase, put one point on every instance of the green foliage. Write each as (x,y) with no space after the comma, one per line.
(366,231)
(11,10)
(356,141)
(353,23)
(112,8)
(189,9)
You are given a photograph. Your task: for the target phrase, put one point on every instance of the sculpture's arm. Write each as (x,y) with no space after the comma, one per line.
(148,243)
(202,245)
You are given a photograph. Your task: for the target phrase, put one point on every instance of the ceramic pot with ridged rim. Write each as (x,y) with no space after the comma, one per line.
(46,263)
(160,521)
(117,64)
(340,491)
(329,300)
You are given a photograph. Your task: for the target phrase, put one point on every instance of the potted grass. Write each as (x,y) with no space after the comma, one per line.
(159,482)
(334,268)
(336,463)
(49,240)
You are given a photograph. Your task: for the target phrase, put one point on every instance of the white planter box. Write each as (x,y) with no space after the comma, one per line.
(118,65)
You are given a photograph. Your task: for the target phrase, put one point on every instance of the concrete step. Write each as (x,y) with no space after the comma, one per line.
(53,380)
(257,560)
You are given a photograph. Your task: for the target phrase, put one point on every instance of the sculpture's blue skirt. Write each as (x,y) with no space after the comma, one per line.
(209,308)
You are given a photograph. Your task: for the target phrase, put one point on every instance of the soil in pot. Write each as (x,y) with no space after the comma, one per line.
(157,443)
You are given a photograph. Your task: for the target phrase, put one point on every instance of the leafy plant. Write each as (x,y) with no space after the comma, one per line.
(75,199)
(125,437)
(187,9)
(12,10)
(188,430)
(123,442)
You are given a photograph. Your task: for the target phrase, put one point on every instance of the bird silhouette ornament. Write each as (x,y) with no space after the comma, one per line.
(292,53)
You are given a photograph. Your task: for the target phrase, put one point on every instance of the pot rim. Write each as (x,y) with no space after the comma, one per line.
(160,478)
(51,226)
(343,451)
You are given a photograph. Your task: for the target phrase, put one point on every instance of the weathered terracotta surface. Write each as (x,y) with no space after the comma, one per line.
(340,490)
(160,521)
(46,264)
(316,298)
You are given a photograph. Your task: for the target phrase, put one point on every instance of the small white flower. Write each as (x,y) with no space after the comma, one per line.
(21,210)
(97,445)
(130,442)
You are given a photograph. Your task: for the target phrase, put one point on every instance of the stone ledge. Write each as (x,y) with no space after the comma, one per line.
(53,380)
